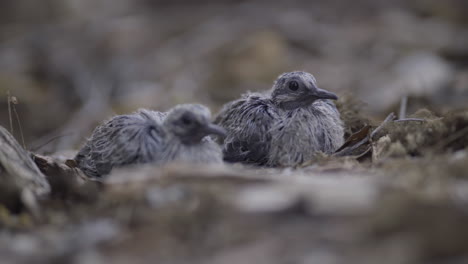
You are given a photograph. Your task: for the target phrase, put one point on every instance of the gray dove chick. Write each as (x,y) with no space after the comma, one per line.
(283,127)
(147,136)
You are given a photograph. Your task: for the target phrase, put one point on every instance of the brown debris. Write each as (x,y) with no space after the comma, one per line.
(433,135)
(357,141)
(67,183)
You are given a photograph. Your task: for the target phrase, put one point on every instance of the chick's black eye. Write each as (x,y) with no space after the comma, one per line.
(293,86)
(186,120)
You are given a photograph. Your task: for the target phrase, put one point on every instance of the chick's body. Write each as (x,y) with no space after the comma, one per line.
(284,127)
(146,136)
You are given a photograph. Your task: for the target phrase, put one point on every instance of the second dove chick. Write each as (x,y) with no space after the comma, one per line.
(147,136)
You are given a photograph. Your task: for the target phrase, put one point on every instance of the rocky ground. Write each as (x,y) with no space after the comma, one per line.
(397,191)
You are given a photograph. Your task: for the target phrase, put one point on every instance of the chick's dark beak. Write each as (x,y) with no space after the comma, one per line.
(212,129)
(324,94)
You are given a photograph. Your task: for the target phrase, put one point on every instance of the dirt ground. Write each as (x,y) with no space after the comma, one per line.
(397,192)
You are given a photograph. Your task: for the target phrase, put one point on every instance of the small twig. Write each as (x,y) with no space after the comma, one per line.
(389,118)
(35,149)
(403,105)
(350,149)
(410,119)
(15,102)
(364,153)
(9,112)
(356,137)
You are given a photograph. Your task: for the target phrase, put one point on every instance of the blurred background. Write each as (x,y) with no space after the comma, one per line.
(72,63)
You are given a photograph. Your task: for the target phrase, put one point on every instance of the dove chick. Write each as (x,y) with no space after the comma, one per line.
(285,126)
(180,134)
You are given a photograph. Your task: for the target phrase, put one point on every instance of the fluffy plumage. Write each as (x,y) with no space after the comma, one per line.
(181,134)
(283,127)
